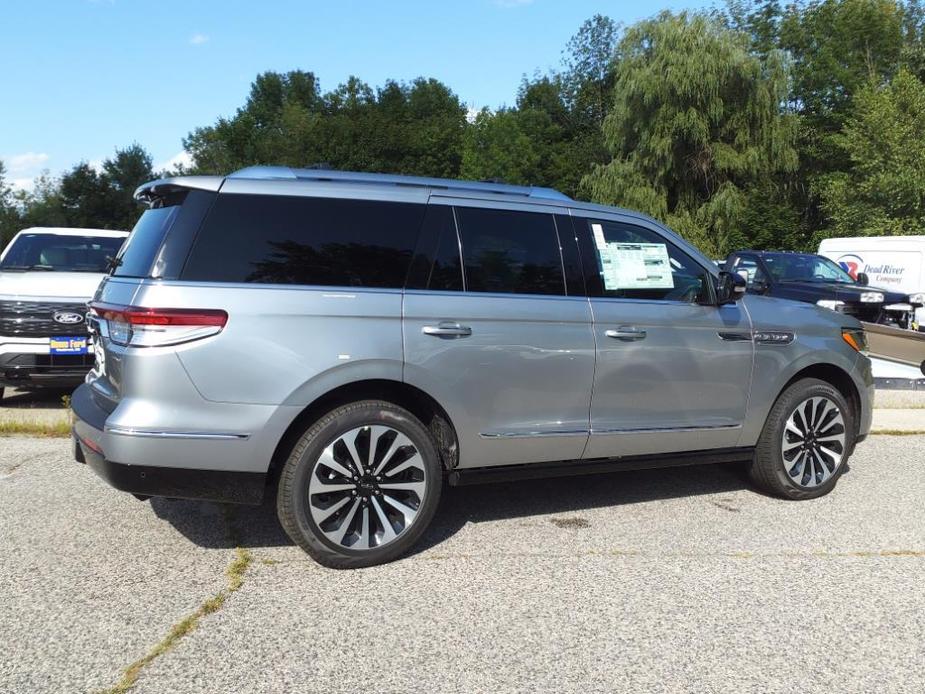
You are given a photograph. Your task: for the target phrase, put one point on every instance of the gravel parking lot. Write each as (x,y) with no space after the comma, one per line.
(665,580)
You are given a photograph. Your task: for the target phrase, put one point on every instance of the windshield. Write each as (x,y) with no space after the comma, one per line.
(805,268)
(60,253)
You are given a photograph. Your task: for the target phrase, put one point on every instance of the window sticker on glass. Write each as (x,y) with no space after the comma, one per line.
(636,266)
(599,240)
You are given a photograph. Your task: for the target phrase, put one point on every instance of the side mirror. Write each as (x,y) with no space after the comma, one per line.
(760,286)
(730,288)
(863,279)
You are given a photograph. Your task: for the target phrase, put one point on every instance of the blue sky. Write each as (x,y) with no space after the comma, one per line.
(82,77)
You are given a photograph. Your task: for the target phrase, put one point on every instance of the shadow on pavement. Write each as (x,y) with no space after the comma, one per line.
(207,524)
(40,398)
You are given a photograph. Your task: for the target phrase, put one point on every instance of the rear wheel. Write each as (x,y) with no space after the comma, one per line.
(805,444)
(360,486)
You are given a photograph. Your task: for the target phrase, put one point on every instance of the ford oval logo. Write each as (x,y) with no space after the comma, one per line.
(68,317)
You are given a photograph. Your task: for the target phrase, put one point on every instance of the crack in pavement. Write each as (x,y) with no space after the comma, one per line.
(235,573)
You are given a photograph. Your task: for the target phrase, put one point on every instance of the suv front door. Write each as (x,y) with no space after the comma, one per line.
(673,369)
(498,330)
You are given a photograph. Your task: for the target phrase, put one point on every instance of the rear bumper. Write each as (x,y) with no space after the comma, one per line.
(90,444)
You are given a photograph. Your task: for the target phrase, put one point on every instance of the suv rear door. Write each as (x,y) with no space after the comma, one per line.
(497,328)
(673,369)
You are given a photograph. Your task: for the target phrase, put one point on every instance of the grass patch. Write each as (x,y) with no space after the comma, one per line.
(48,430)
(235,573)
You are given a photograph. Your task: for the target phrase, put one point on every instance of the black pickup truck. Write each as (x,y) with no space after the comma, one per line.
(817,280)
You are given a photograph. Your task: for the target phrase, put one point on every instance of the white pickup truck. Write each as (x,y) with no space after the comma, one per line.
(47,276)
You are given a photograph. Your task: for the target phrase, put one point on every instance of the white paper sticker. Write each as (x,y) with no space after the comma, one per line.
(636,266)
(599,239)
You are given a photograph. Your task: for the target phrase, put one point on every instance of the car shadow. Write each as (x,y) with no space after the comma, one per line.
(224,526)
(40,398)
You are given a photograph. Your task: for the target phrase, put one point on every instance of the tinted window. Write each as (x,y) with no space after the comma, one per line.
(437,263)
(298,240)
(510,252)
(145,240)
(571,259)
(61,253)
(631,262)
(160,241)
(806,268)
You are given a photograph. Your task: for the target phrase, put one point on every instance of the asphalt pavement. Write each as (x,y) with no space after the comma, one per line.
(664,580)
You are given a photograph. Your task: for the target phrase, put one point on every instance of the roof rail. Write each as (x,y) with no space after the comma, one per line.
(317,174)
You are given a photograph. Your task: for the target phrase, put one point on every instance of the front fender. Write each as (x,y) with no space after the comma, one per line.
(775,368)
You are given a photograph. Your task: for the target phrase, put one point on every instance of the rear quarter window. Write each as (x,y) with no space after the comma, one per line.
(160,242)
(266,239)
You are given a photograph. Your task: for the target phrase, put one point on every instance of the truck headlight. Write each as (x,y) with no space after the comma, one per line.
(917,298)
(871,298)
(838,306)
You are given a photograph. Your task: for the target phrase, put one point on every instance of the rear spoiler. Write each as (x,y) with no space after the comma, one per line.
(151,191)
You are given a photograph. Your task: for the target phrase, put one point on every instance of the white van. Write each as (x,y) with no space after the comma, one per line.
(890,262)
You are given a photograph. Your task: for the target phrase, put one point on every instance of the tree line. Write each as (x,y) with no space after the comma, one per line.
(757,124)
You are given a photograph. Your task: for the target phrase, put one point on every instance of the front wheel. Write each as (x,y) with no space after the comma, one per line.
(360,486)
(806,440)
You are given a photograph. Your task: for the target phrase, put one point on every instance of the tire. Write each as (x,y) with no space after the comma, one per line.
(806,441)
(376,510)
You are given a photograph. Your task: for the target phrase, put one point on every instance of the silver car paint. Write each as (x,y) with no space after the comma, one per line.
(518,390)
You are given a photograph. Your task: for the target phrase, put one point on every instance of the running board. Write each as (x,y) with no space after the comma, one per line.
(505,473)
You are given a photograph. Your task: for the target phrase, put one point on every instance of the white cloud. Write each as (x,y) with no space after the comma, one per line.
(25,184)
(21,169)
(182,158)
(471,113)
(513,3)
(198,39)
(25,163)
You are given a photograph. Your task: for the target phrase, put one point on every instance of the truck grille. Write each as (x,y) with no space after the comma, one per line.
(37,319)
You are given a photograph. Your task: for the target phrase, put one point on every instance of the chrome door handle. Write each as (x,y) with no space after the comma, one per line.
(446,329)
(626,333)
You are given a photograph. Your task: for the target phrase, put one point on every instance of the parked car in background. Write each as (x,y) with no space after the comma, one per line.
(818,280)
(348,341)
(894,262)
(47,277)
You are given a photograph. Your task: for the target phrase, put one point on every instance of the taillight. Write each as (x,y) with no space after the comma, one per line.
(137,326)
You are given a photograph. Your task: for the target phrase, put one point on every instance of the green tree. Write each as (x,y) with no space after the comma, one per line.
(696,131)
(9,213)
(414,128)
(122,174)
(589,73)
(883,192)
(496,147)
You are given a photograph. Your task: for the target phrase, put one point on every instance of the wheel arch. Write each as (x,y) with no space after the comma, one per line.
(839,379)
(421,404)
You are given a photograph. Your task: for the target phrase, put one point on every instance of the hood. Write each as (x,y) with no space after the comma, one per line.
(849,293)
(773,313)
(64,286)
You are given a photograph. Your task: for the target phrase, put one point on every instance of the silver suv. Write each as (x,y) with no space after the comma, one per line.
(351,341)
